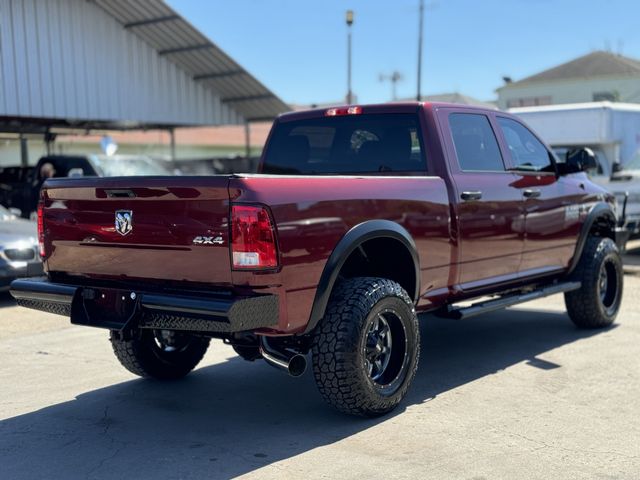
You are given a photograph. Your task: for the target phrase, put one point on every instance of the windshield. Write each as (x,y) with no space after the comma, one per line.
(346,145)
(5,214)
(127,166)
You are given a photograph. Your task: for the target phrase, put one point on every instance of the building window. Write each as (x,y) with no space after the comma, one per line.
(606,96)
(528,102)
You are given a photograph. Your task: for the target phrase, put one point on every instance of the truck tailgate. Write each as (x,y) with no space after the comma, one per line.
(170,229)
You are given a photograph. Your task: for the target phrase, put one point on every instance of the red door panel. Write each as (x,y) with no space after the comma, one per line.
(552,223)
(551,203)
(488,206)
(490,228)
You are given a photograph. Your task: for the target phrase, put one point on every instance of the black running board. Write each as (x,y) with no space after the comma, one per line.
(461,313)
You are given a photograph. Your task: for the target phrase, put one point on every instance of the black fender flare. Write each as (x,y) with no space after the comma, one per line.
(355,237)
(600,211)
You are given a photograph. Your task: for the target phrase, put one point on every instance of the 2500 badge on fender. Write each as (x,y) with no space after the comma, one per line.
(361,217)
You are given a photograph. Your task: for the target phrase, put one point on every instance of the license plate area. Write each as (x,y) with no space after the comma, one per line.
(104,308)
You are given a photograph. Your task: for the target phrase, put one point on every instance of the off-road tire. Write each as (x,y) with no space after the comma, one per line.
(592,305)
(340,339)
(142,355)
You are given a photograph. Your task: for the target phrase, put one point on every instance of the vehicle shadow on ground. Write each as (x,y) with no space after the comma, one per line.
(232,418)
(6,300)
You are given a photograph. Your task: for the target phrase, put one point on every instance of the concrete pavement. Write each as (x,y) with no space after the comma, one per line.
(515,394)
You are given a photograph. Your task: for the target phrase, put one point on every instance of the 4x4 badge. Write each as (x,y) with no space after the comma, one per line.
(201,240)
(124,221)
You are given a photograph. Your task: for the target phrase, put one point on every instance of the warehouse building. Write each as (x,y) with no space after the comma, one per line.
(73,66)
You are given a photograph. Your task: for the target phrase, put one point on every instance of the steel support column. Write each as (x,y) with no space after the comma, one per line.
(172,139)
(247,140)
(24,151)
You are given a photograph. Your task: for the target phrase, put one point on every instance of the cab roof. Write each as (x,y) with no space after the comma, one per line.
(375,108)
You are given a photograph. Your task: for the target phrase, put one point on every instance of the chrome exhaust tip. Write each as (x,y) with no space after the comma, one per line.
(295,364)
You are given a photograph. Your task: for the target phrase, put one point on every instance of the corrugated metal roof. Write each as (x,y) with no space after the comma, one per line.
(177,40)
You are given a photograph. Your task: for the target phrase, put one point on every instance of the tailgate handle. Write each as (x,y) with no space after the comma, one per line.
(120,193)
(532,193)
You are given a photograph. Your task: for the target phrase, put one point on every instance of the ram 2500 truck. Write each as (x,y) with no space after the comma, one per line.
(360,218)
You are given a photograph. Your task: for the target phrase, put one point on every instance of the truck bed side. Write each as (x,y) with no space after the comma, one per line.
(313,213)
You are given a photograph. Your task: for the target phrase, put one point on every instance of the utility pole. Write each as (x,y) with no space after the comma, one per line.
(421,20)
(430,6)
(349,23)
(394,78)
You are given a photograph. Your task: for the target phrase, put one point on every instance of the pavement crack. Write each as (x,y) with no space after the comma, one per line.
(565,449)
(104,460)
(106,422)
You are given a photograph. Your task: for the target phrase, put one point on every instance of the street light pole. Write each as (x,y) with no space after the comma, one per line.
(349,23)
(420,15)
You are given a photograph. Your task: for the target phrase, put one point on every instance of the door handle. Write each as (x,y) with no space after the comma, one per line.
(532,193)
(468,196)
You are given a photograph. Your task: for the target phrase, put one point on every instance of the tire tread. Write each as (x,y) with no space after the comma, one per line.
(336,339)
(134,355)
(583,306)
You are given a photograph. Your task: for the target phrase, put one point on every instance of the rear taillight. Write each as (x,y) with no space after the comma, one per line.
(41,247)
(253,239)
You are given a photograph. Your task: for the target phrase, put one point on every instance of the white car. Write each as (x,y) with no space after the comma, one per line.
(18,249)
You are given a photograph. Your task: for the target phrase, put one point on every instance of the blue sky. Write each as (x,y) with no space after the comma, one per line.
(297,48)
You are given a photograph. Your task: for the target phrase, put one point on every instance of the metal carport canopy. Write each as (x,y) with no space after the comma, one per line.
(177,40)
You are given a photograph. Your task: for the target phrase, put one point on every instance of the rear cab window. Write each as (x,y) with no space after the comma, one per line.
(475,143)
(370,144)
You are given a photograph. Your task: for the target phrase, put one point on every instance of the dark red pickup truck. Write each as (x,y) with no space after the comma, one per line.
(361,217)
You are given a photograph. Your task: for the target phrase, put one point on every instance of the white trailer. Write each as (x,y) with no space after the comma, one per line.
(612,130)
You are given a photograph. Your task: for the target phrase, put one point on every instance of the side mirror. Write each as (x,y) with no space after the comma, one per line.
(580,160)
(618,174)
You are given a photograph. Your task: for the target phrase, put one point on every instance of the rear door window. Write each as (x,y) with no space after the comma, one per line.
(475,143)
(350,144)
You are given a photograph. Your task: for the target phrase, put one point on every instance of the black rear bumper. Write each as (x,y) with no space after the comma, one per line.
(118,309)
